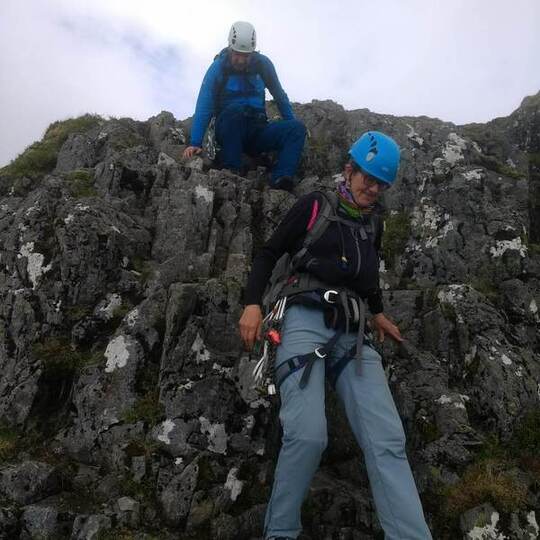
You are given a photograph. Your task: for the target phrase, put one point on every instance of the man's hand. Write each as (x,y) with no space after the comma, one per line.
(191,151)
(250,325)
(383,326)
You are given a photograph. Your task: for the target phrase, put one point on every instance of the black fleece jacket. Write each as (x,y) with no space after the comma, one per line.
(327,252)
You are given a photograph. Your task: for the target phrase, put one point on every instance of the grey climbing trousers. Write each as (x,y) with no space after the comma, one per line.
(373,418)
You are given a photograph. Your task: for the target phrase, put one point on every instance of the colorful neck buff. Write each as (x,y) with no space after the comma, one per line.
(346,199)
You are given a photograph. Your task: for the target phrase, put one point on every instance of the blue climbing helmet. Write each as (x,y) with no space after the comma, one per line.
(376,154)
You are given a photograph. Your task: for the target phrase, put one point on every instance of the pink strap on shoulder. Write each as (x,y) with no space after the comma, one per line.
(314,214)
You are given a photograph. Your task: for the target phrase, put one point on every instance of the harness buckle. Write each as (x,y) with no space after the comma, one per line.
(327,296)
(320,354)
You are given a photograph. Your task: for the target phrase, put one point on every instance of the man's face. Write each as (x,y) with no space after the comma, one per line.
(239,60)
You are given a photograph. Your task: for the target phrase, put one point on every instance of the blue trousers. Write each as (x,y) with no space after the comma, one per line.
(374,421)
(239,130)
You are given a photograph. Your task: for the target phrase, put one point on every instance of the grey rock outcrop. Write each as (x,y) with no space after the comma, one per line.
(90,527)
(40,522)
(28,482)
(124,382)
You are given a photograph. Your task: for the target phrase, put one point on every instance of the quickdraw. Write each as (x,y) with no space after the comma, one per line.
(263,371)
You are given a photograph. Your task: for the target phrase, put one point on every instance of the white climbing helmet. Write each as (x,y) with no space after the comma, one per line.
(242,37)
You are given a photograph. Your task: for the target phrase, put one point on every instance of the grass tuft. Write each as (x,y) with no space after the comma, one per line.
(147,408)
(81,183)
(486,481)
(40,157)
(59,356)
(396,234)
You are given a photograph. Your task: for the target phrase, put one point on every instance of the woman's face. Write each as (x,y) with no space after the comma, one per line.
(365,189)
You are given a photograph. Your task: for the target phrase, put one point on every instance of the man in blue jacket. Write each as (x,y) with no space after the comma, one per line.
(233,91)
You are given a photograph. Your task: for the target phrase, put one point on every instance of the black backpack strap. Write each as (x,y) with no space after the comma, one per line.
(326,213)
(377,222)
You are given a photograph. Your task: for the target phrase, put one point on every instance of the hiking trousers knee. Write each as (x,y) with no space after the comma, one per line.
(241,130)
(374,420)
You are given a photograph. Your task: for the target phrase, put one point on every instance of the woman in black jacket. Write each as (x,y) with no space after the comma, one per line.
(334,272)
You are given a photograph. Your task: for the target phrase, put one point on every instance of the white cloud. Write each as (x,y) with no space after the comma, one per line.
(459,61)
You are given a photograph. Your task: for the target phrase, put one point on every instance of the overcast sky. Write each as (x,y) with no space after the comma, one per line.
(461,60)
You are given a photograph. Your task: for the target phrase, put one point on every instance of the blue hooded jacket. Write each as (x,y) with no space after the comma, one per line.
(222,87)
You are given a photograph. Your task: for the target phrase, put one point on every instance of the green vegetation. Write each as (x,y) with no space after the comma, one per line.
(123,133)
(487,481)
(147,408)
(485,286)
(143,268)
(61,358)
(141,447)
(493,164)
(206,477)
(449,311)
(9,443)
(116,534)
(534,158)
(525,443)
(395,237)
(527,435)
(511,172)
(81,183)
(118,315)
(40,157)
(125,140)
(429,431)
(494,476)
(533,248)
(121,311)
(76,313)
(141,491)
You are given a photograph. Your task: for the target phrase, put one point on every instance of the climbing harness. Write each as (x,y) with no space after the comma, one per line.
(344,310)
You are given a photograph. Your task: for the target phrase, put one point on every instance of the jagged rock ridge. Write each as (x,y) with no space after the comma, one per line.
(126,400)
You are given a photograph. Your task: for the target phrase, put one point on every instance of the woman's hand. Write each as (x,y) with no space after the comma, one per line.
(251,325)
(382,325)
